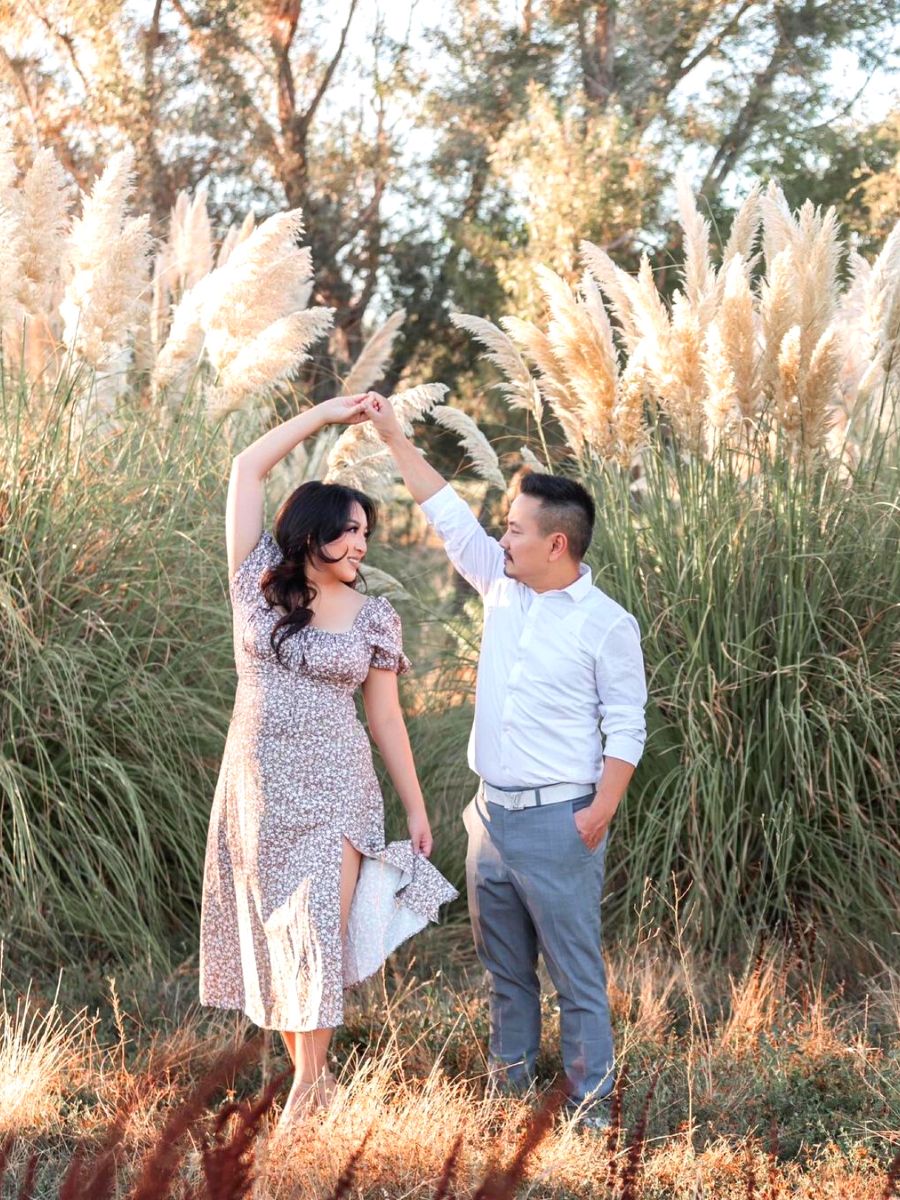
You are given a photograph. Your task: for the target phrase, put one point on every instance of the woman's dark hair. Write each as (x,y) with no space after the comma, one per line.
(566,507)
(313,515)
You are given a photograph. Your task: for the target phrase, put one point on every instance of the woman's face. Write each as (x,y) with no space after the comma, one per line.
(349,549)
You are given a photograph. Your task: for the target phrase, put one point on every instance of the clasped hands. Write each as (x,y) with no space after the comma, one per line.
(353,410)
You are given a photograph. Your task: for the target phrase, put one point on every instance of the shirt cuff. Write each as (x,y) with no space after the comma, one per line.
(620,745)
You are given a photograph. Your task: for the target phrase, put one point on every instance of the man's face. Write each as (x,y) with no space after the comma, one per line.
(526,547)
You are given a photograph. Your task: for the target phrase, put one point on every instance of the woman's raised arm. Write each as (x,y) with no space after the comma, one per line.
(246,486)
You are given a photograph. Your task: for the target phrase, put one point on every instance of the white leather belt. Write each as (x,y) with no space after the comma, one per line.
(552,793)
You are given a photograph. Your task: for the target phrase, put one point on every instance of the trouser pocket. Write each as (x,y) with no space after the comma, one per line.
(574,807)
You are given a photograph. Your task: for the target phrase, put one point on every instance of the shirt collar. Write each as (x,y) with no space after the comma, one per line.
(583,584)
(577,590)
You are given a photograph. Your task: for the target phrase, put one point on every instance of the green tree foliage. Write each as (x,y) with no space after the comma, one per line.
(435,162)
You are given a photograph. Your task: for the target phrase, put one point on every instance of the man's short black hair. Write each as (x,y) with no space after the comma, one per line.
(566,507)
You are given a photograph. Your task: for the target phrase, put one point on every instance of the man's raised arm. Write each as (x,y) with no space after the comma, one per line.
(477,557)
(418,474)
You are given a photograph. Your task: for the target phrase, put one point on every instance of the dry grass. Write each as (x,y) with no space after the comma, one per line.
(758,1082)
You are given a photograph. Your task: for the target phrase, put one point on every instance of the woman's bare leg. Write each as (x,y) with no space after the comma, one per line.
(290,1044)
(350,861)
(349,876)
(313,1082)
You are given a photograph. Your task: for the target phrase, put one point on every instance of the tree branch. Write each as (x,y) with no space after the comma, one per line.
(598,60)
(713,43)
(283,19)
(332,67)
(201,43)
(46,132)
(67,41)
(742,127)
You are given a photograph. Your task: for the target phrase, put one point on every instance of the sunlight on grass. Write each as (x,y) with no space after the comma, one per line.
(737,1083)
(40,1053)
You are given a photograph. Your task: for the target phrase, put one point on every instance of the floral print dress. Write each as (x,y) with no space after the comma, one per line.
(296,779)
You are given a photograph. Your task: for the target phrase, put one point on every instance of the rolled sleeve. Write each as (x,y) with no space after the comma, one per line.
(622,691)
(474,553)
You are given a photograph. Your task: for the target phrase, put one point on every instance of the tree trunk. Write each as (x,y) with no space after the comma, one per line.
(597,48)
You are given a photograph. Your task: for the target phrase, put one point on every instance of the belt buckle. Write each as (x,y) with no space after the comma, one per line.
(515,801)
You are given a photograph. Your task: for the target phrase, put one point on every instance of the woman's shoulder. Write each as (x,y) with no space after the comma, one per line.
(379,603)
(380,611)
(245,580)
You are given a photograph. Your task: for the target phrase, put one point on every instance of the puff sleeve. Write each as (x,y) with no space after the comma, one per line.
(243,587)
(387,638)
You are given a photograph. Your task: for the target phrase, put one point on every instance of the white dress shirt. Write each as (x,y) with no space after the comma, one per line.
(552,666)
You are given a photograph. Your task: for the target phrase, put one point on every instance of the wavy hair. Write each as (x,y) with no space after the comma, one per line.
(313,515)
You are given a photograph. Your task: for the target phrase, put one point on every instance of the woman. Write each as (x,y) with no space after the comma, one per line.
(301,897)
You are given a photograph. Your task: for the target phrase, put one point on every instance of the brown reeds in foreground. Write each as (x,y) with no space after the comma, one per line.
(893,1178)
(431,1134)
(347,1176)
(628,1189)
(227,1165)
(501,1183)
(158,1172)
(228,1162)
(442,1191)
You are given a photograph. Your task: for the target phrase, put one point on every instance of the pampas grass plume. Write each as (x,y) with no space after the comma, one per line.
(481,452)
(619,288)
(235,235)
(683,390)
(530,459)
(737,335)
(632,393)
(788,383)
(582,343)
(374,356)
(721,398)
(275,355)
(552,384)
(743,233)
(360,459)
(12,311)
(248,315)
(107,262)
(44,221)
(266,277)
(821,388)
(181,351)
(190,238)
(778,313)
(697,270)
(517,385)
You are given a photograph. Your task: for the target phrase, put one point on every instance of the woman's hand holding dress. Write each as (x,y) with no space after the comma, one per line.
(420,833)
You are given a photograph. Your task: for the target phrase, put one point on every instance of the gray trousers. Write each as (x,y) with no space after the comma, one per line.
(534,886)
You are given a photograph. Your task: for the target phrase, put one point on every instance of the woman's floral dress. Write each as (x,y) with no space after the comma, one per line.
(296,779)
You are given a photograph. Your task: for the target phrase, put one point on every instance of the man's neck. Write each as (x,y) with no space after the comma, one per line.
(560,582)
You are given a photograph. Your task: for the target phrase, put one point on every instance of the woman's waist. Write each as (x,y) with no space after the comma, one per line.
(290,714)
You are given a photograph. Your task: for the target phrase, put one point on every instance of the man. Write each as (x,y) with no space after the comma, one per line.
(557,657)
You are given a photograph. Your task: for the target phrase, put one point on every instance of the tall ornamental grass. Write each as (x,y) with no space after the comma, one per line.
(116,673)
(768,794)
(742,444)
(116,666)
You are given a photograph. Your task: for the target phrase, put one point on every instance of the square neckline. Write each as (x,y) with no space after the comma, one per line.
(342,632)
